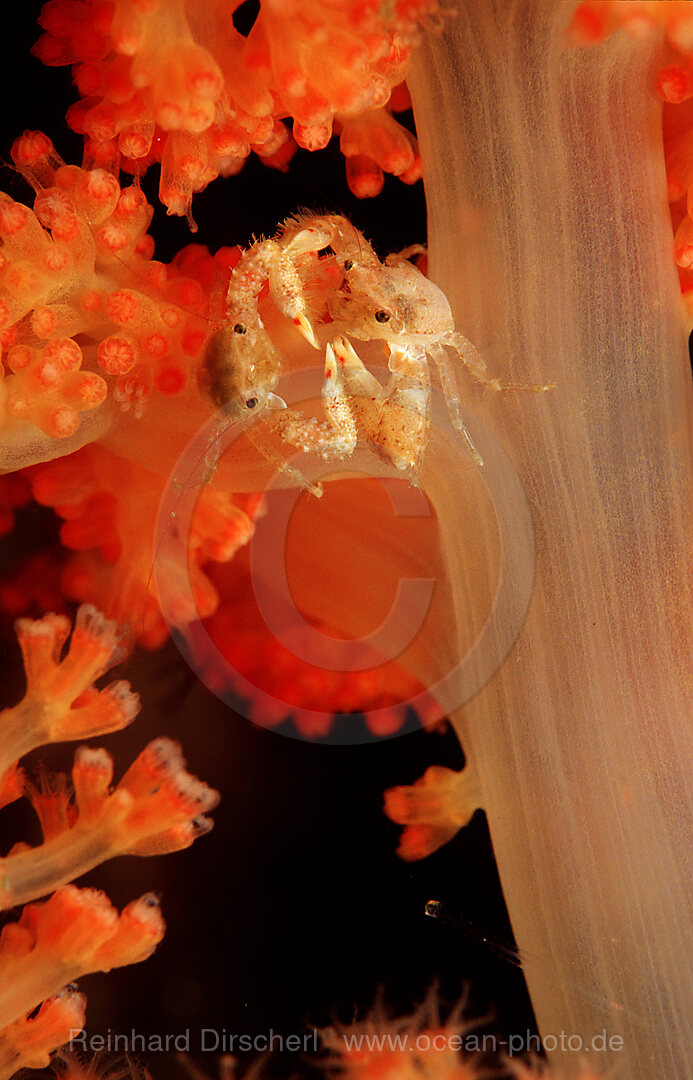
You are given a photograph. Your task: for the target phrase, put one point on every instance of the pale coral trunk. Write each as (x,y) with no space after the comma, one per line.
(549,233)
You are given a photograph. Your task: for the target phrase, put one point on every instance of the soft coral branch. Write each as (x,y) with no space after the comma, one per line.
(75,932)
(109,510)
(157,807)
(60,702)
(432,809)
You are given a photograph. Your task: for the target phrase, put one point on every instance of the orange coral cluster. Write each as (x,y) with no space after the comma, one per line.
(421,1045)
(29,1040)
(156,808)
(73,933)
(80,291)
(109,511)
(596,19)
(179,84)
(87,314)
(83,308)
(432,809)
(424,1046)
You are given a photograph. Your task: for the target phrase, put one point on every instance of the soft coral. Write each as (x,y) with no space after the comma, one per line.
(184,87)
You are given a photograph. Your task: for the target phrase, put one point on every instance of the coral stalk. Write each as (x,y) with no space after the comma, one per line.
(549,233)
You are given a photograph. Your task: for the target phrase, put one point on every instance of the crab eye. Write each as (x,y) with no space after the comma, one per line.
(382,316)
(251,402)
(239,328)
(348,264)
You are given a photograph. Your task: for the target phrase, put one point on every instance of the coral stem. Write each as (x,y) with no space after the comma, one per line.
(550,235)
(36,872)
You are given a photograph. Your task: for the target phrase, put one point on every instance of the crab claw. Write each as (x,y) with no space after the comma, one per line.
(359,379)
(346,353)
(330,365)
(304,327)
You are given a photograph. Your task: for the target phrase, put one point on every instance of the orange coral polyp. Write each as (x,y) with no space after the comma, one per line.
(13,217)
(65,352)
(116,355)
(92,774)
(113,237)
(135,143)
(19,357)
(124,306)
(101,192)
(23,280)
(675,83)
(31,149)
(60,423)
(47,374)
(170,380)
(53,207)
(88,391)
(43,322)
(364,176)
(57,258)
